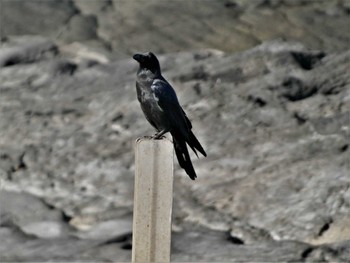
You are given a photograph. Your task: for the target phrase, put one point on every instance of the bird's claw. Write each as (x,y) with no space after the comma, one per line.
(154,137)
(157,137)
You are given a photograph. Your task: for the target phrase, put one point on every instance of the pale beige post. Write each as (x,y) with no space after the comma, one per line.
(153,197)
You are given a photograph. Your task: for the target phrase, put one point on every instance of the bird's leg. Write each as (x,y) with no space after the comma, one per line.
(159,135)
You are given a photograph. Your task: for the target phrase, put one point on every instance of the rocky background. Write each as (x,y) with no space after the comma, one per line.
(265,83)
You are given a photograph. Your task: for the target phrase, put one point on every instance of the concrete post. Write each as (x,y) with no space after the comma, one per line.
(153,196)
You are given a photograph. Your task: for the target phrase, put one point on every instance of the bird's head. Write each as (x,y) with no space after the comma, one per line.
(148,61)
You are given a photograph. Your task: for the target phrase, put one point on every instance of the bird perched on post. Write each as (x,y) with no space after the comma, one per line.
(161,108)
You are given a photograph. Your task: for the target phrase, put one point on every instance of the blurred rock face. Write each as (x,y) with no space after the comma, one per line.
(275,121)
(274,118)
(169,26)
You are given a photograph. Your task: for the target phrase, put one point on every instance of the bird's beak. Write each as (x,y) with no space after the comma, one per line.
(138,57)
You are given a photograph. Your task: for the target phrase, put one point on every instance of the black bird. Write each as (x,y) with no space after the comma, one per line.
(161,107)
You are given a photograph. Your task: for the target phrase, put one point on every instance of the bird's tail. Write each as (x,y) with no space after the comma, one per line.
(192,140)
(183,156)
(194,144)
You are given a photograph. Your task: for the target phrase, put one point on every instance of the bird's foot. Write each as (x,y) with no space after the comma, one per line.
(154,137)
(157,137)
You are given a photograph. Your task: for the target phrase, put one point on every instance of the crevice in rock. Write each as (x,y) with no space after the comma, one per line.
(295,89)
(31,113)
(325,227)
(269,4)
(67,111)
(197,88)
(344,148)
(76,10)
(257,101)
(19,165)
(234,239)
(127,246)
(333,89)
(300,119)
(125,238)
(118,117)
(64,67)
(230,4)
(307,252)
(109,4)
(307,61)
(65,217)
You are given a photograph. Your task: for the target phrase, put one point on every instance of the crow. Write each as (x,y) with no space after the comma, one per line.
(161,108)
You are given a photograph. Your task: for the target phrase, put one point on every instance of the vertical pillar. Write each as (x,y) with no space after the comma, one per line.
(153,196)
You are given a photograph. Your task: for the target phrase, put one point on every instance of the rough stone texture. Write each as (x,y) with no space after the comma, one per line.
(36,49)
(36,17)
(274,121)
(124,27)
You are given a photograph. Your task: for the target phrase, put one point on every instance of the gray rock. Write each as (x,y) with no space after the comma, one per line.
(16,247)
(44,229)
(38,18)
(92,7)
(275,185)
(37,49)
(80,28)
(108,230)
(230,25)
(31,215)
(222,251)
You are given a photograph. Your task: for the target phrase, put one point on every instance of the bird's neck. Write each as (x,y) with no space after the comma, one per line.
(147,73)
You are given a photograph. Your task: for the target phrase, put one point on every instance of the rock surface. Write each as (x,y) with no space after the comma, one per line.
(274,121)
(124,27)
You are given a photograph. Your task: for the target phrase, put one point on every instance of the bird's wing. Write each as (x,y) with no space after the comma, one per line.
(168,102)
(180,124)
